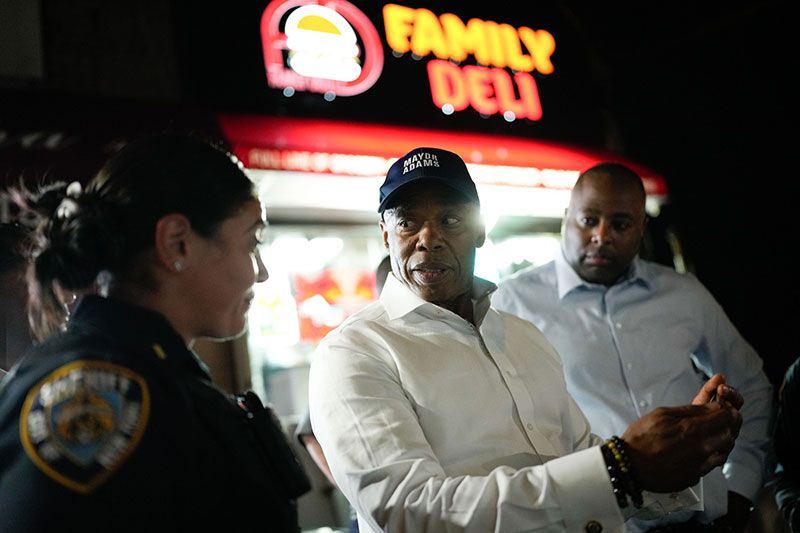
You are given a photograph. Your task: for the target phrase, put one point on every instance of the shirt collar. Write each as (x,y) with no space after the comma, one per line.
(568,280)
(399,300)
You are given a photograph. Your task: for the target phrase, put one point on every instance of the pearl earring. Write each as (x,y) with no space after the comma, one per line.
(178,266)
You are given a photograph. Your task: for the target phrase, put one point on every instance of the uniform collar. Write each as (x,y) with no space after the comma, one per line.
(399,300)
(140,329)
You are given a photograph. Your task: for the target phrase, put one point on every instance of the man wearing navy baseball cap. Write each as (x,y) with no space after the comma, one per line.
(437,412)
(431,165)
(433,259)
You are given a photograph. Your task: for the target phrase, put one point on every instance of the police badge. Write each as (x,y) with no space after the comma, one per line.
(80,423)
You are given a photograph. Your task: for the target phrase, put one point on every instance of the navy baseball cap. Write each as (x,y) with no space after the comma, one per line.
(432,164)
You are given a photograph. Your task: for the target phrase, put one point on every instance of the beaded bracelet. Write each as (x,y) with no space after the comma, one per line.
(634,490)
(615,475)
(623,476)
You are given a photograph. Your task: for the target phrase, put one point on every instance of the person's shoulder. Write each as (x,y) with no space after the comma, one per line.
(73,346)
(650,270)
(527,278)
(362,340)
(371,313)
(515,289)
(79,415)
(520,328)
(531,274)
(369,317)
(73,365)
(510,320)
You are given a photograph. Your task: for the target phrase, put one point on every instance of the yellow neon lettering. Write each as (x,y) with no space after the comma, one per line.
(491,31)
(398,21)
(447,37)
(465,40)
(428,36)
(513,49)
(541,45)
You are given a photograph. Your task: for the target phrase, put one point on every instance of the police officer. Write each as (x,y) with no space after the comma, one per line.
(114,424)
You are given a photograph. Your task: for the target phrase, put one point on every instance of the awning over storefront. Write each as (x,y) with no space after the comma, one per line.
(357,149)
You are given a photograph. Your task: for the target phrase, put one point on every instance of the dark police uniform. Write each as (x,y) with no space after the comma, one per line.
(787,446)
(115,426)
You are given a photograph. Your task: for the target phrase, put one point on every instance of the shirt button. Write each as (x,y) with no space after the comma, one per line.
(618,325)
(642,403)
(530,427)
(628,365)
(593,526)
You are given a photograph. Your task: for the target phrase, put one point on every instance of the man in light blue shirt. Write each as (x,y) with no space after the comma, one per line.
(634,335)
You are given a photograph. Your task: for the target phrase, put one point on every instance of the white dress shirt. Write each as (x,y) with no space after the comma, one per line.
(431,424)
(630,348)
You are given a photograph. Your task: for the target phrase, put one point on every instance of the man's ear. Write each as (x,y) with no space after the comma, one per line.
(172,240)
(384,232)
(645,219)
(481,234)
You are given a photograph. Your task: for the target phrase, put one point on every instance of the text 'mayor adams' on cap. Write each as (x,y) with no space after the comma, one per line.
(432,164)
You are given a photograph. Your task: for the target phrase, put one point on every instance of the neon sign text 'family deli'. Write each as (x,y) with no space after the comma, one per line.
(487,87)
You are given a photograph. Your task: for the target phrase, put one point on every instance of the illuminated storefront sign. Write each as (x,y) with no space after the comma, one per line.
(316,47)
(487,87)
(330,46)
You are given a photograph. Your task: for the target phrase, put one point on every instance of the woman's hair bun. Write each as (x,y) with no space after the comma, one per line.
(76,240)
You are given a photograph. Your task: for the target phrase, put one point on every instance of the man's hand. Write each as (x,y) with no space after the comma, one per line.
(715,389)
(672,447)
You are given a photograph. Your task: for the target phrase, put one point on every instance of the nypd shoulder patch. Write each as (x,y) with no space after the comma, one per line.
(81,422)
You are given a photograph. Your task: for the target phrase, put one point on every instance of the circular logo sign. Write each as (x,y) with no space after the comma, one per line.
(324,47)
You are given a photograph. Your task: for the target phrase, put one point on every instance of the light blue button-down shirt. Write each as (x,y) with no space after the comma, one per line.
(634,346)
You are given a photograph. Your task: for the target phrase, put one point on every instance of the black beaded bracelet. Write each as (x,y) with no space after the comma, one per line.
(624,480)
(615,475)
(632,478)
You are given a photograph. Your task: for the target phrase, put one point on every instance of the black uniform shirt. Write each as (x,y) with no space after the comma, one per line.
(115,426)
(787,446)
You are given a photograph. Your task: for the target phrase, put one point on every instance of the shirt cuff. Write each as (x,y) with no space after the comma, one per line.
(584,490)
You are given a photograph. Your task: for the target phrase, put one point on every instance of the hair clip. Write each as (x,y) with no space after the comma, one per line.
(66,208)
(74,189)
(68,205)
